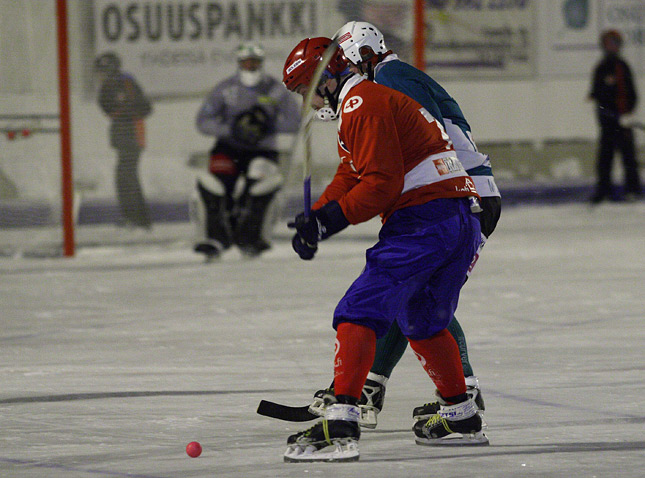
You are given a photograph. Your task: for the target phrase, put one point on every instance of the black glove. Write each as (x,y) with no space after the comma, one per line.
(251,126)
(304,249)
(320,224)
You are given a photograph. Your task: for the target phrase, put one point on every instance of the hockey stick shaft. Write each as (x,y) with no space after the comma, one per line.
(307,120)
(307,168)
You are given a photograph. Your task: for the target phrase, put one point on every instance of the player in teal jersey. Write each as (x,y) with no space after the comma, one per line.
(364,46)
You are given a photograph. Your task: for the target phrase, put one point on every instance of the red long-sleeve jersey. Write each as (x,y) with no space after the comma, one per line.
(393,154)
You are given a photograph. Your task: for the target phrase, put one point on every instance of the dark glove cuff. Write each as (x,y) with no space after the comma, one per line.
(331,218)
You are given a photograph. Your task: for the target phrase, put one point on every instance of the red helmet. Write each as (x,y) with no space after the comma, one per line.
(304,58)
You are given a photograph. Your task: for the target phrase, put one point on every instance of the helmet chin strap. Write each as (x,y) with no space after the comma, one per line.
(328,112)
(370,71)
(335,95)
(368,64)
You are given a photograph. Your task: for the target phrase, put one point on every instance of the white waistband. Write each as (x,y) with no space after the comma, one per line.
(433,169)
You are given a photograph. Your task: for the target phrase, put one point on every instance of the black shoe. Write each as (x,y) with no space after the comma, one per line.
(209,249)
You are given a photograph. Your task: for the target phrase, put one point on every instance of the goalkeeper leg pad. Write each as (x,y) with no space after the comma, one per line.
(263,182)
(211,214)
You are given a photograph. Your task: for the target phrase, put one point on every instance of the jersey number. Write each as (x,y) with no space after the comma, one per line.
(431,119)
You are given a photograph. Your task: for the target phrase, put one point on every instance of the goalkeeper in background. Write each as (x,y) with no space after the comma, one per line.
(245,113)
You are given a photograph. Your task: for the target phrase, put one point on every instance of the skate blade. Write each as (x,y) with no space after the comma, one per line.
(368,418)
(455,439)
(338,452)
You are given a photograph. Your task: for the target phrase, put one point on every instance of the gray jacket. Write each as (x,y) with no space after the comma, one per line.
(230,98)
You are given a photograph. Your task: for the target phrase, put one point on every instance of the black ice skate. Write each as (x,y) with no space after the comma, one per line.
(425,411)
(452,425)
(372,399)
(333,439)
(370,403)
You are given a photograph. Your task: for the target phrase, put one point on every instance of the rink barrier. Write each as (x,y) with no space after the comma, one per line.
(95,211)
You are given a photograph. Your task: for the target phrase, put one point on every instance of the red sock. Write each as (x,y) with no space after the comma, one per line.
(355,348)
(439,356)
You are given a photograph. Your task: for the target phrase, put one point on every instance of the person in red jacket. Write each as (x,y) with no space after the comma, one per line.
(397,162)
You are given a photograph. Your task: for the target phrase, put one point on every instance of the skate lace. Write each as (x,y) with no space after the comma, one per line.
(435,420)
(325,428)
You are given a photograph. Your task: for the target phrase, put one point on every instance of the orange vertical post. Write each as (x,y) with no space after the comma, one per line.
(419,35)
(65,129)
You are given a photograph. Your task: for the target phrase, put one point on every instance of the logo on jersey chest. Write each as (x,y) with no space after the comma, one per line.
(352,103)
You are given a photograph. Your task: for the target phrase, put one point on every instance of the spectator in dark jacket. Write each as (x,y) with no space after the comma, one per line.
(123,100)
(615,95)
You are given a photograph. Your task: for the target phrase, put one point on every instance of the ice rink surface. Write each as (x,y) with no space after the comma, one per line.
(111,362)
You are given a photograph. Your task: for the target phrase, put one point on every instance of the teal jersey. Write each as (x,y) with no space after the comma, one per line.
(416,84)
(419,86)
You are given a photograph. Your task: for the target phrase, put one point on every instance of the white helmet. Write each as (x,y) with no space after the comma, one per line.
(354,39)
(249,50)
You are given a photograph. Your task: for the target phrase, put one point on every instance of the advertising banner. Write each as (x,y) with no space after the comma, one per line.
(572,29)
(173,45)
(468,39)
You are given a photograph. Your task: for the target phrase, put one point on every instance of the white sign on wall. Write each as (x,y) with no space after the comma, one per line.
(171,47)
(480,38)
(572,28)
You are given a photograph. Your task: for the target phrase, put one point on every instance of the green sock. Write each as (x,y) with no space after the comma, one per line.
(456,331)
(389,350)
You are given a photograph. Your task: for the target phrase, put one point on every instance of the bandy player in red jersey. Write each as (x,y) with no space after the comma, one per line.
(396,161)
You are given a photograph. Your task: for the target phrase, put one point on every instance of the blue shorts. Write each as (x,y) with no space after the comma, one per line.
(415,271)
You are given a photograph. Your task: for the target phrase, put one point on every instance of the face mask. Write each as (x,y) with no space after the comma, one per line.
(326,114)
(250,78)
